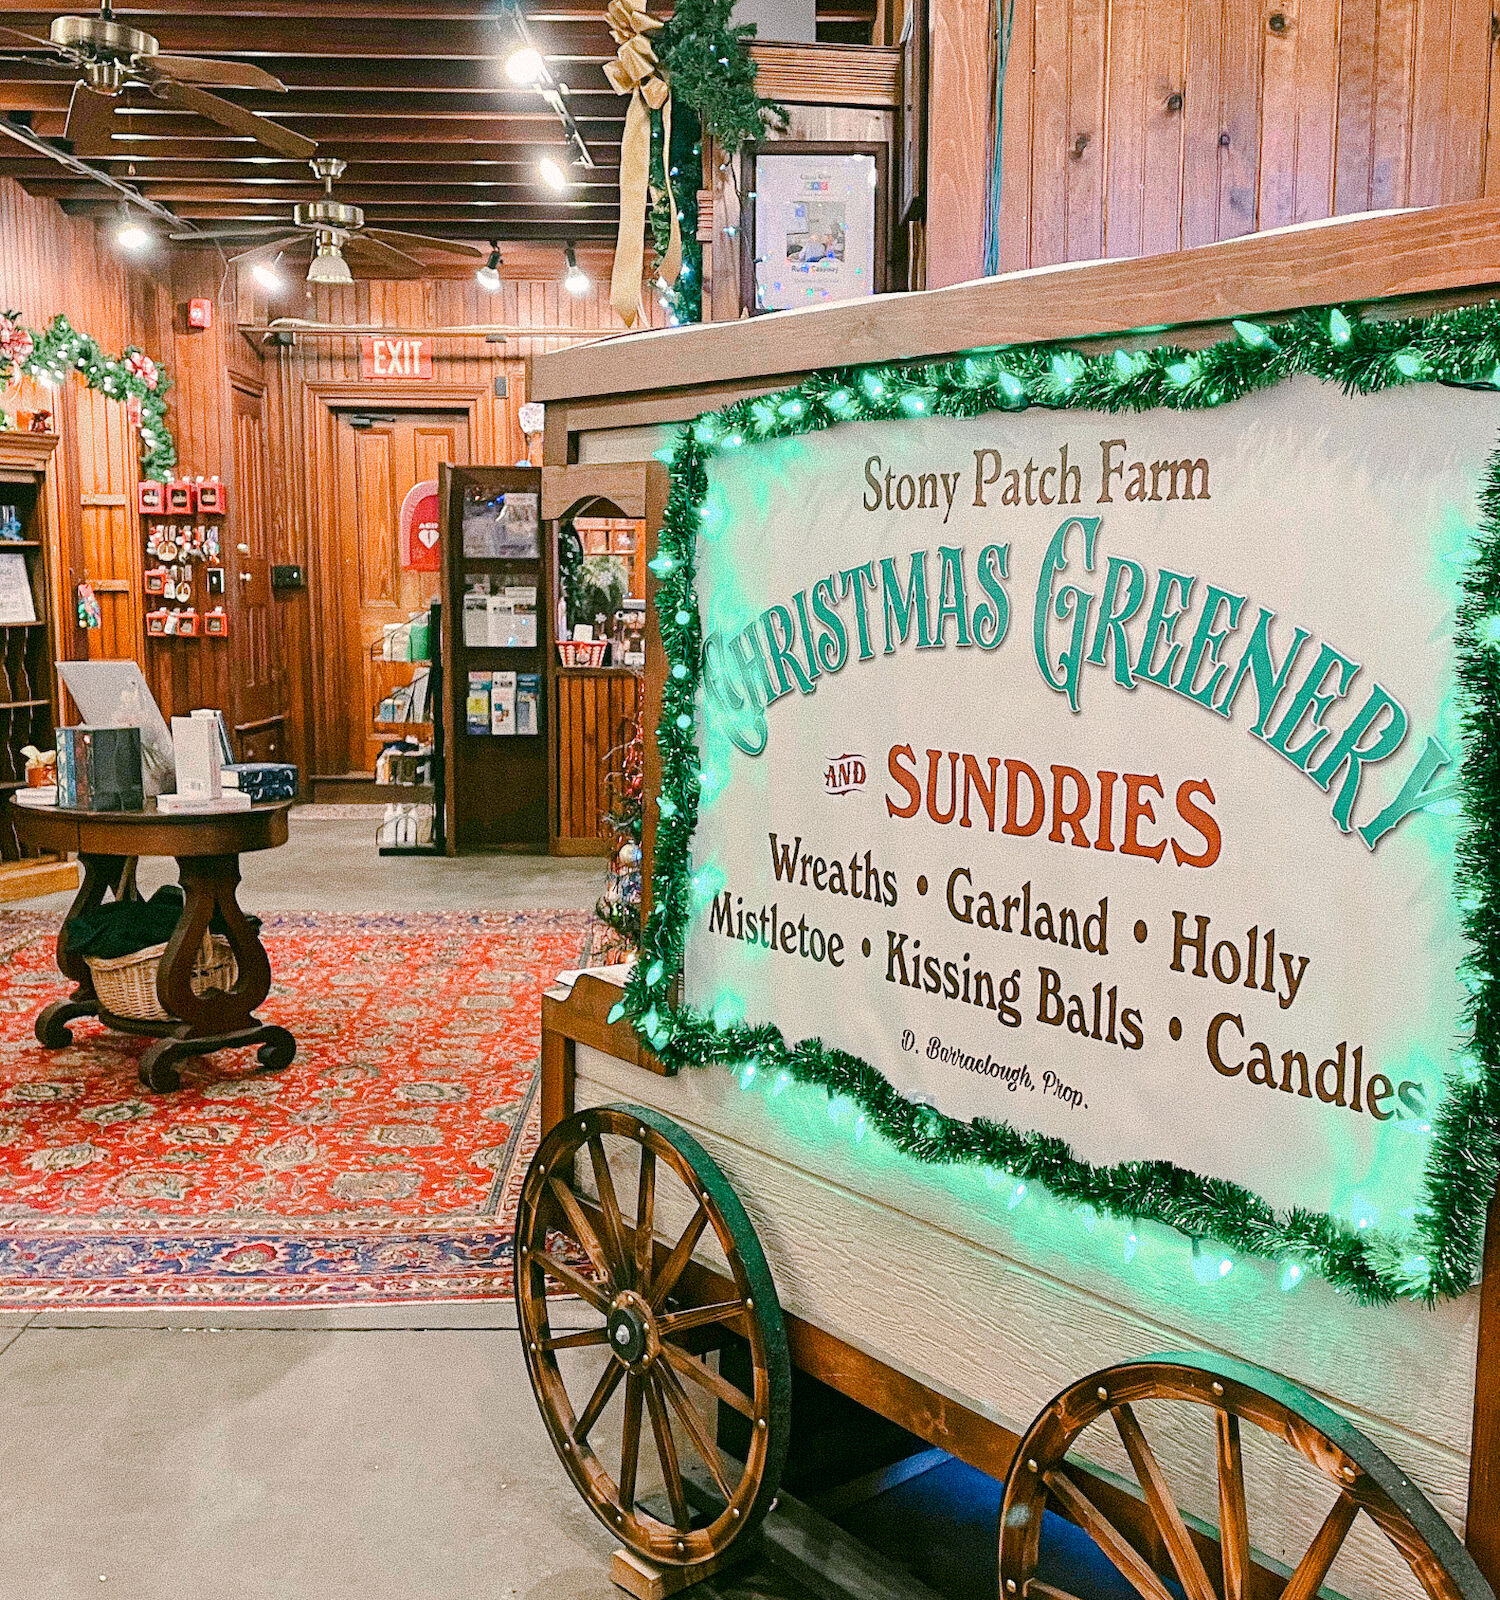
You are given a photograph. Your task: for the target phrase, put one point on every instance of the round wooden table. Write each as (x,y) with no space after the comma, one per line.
(207,847)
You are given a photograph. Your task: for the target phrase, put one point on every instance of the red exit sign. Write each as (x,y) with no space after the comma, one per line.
(385,356)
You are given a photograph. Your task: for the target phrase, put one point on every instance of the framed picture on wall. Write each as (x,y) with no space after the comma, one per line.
(814,224)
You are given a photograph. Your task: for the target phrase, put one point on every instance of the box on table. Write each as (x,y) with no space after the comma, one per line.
(263,781)
(99,769)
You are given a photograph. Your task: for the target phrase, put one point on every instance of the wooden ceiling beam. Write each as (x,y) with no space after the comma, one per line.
(286,180)
(369,74)
(343,131)
(592,111)
(398,214)
(203,150)
(216,34)
(189,198)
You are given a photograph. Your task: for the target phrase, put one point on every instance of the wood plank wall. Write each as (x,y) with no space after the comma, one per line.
(596,712)
(1133,128)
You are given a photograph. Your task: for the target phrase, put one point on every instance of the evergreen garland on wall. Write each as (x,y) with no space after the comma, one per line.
(1441,1256)
(708,64)
(51,355)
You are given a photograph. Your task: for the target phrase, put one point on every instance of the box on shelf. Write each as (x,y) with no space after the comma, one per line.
(181,496)
(150,497)
(195,754)
(216,623)
(99,769)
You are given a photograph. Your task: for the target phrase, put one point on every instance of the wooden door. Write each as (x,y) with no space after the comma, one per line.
(260,687)
(112,540)
(378,456)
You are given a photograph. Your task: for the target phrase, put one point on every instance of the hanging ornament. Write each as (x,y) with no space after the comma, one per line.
(634,71)
(16,344)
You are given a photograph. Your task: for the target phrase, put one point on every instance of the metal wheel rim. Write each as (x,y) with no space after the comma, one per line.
(598,1482)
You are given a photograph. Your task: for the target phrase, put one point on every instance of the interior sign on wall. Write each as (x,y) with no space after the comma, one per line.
(419,527)
(1096,774)
(389,356)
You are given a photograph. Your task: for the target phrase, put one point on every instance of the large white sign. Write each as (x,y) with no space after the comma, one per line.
(1095,772)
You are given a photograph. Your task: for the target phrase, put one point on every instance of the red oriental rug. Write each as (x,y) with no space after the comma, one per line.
(383,1165)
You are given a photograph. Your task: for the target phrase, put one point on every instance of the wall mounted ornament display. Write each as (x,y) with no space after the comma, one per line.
(1159,690)
(133,377)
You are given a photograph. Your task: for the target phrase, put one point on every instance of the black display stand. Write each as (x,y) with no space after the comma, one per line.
(495,786)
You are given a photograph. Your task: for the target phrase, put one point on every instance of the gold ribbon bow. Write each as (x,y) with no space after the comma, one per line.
(634,71)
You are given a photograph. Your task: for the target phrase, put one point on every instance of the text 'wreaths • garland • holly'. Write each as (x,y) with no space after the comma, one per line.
(59,349)
(1441,1256)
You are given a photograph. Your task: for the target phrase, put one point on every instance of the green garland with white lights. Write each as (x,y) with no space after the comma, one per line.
(1364,355)
(49,356)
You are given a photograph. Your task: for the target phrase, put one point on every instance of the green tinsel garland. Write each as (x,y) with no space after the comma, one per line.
(61,349)
(1441,1257)
(708,64)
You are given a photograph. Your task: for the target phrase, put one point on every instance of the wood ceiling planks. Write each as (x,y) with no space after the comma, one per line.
(411,93)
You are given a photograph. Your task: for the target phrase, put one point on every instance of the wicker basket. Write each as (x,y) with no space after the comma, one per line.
(126,985)
(581,652)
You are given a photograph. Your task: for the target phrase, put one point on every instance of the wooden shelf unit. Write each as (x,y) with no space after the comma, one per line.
(28,650)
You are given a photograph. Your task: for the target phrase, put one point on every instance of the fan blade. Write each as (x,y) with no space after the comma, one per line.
(91,122)
(364,243)
(203,69)
(286,244)
(40,44)
(282,140)
(462,247)
(270,232)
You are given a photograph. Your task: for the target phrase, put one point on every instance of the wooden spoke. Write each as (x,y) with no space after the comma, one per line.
(1159,1498)
(1313,1568)
(597,1401)
(1234,1519)
(630,1443)
(575,1341)
(645,1218)
(675,1322)
(671,1387)
(583,1230)
(672,1268)
(614,1224)
(720,1388)
(571,1279)
(666,1452)
(1103,1532)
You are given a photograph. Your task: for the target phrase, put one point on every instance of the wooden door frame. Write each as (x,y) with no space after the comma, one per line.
(321,403)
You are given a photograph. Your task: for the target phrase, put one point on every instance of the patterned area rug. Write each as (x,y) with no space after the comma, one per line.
(383,1165)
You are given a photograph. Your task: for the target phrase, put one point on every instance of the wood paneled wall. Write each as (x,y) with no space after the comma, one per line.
(1132,127)
(50,262)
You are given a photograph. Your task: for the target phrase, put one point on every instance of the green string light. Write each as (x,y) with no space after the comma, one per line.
(1438,1255)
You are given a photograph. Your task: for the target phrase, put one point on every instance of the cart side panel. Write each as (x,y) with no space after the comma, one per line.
(999,1308)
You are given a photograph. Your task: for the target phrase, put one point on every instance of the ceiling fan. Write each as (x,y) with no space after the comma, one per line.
(335,232)
(115,59)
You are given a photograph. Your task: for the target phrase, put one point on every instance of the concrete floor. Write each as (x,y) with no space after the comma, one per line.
(388,1454)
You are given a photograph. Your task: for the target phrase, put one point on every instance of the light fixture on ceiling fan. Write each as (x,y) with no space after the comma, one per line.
(488,276)
(114,59)
(575,279)
(334,231)
(132,234)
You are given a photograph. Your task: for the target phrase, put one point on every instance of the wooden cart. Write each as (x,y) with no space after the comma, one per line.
(672,1203)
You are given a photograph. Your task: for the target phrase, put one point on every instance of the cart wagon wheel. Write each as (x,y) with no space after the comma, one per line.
(1365,1478)
(660,1310)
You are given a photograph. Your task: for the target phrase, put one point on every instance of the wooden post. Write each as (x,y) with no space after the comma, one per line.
(958,139)
(1482,1523)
